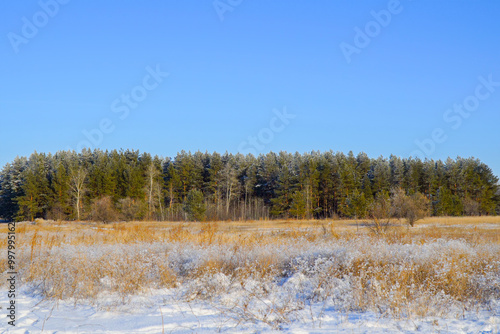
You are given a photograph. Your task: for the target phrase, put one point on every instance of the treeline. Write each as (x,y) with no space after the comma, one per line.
(127,185)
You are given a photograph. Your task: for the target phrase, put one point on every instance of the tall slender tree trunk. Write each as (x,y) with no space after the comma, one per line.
(78,205)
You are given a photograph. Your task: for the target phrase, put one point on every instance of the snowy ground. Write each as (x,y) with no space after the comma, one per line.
(159,311)
(285,283)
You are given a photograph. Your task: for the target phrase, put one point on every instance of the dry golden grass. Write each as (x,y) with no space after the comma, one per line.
(81,260)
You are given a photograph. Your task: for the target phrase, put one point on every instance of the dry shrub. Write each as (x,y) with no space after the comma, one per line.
(103,210)
(208,232)
(380,213)
(132,209)
(471,207)
(412,208)
(57,212)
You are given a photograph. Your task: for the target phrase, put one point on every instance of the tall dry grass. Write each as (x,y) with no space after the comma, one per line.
(271,269)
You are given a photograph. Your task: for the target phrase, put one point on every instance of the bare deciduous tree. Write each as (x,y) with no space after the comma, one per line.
(471,207)
(380,212)
(412,208)
(77,186)
(152,188)
(230,181)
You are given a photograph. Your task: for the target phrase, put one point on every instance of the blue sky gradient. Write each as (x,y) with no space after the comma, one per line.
(230,65)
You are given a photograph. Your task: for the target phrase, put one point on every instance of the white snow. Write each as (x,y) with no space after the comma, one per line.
(158,311)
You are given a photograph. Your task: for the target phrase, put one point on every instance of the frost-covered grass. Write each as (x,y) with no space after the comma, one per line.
(274,274)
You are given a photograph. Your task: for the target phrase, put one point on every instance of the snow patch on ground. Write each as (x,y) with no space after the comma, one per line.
(158,311)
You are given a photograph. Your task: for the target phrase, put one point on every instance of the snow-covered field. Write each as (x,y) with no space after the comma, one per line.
(116,279)
(158,311)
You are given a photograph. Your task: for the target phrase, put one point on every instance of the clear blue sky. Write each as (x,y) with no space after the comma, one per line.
(227,76)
